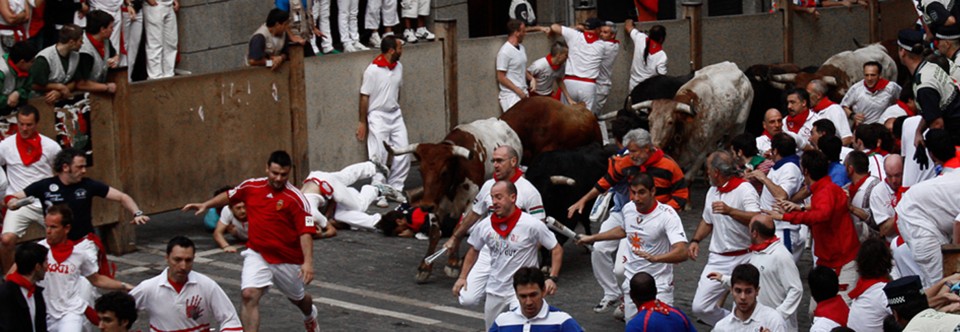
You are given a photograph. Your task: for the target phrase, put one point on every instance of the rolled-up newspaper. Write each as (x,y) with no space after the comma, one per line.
(24,202)
(560,228)
(433,257)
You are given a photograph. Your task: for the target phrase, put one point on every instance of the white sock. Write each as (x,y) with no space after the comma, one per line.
(313,313)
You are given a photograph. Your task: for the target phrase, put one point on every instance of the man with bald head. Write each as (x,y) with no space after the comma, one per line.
(883,200)
(772,125)
(825,108)
(779,276)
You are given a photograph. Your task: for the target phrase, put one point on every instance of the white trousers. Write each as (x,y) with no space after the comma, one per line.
(388,127)
(603,90)
(161,26)
(414,8)
(132,33)
(602,259)
(494,305)
(582,92)
(925,246)
(352,204)
(375,8)
(324,22)
(710,292)
(664,294)
(904,263)
(347,20)
(70,322)
(476,280)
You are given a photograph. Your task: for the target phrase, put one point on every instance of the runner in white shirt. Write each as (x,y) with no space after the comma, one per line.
(513,238)
(782,181)
(831,310)
(548,71)
(180,299)
(779,276)
(233,221)
(827,109)
(869,98)
(381,120)
(649,58)
(72,269)
(799,118)
(772,125)
(609,35)
(656,238)
(859,191)
(875,140)
(883,200)
(331,196)
(505,161)
(869,308)
(748,314)
(914,172)
(583,66)
(729,205)
(511,66)
(28,157)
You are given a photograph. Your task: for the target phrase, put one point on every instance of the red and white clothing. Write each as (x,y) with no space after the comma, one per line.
(381,82)
(16,32)
(512,60)
(654,232)
(912,174)
(869,306)
(883,199)
(830,313)
(826,109)
(860,193)
(112,7)
(762,317)
(277,217)
(351,204)
(546,73)
(926,217)
(604,82)
(895,111)
(728,244)
(66,286)
(875,163)
(763,141)
(801,124)
(227,218)
(27,161)
(779,279)
(586,52)
(871,102)
(192,306)
(656,63)
(786,174)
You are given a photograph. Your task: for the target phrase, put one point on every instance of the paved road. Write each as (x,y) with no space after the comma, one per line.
(365,282)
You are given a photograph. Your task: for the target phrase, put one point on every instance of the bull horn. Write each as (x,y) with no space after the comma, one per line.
(642,105)
(460,151)
(562,180)
(790,77)
(778,85)
(685,108)
(830,80)
(404,150)
(608,116)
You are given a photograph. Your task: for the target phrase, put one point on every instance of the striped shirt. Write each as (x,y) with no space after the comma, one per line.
(548,319)
(671,187)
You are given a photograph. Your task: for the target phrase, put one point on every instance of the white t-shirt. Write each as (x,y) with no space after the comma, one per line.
(780,283)
(728,234)
(860,198)
(584,58)
(894,111)
(838,116)
(875,162)
(823,324)
(790,179)
(807,127)
(762,316)
(62,284)
(545,75)
(912,174)
(606,65)
(656,63)
(654,233)
(871,105)
(21,176)
(17,7)
(507,255)
(932,205)
(528,199)
(227,218)
(513,60)
(868,310)
(763,142)
(198,306)
(881,205)
(383,87)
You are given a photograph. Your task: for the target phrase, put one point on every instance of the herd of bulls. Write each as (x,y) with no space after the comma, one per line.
(561,145)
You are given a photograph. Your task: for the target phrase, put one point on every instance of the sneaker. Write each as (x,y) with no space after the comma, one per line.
(349,48)
(421,236)
(409,36)
(382,202)
(375,40)
(330,50)
(388,33)
(618,314)
(381,168)
(390,193)
(311,323)
(424,34)
(360,46)
(604,305)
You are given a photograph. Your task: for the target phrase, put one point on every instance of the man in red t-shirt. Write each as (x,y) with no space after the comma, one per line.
(278,216)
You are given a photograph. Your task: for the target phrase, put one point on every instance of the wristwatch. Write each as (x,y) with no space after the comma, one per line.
(555,279)
(138,213)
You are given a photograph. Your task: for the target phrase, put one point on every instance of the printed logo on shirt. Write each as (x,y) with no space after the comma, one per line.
(636,242)
(54,187)
(194,311)
(58,268)
(309,221)
(80,194)
(279,204)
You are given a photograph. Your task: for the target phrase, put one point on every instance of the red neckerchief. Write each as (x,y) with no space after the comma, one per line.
(879,151)
(654,306)
(864,284)
(30,149)
(517,173)
(653,46)
(899,195)
(854,187)
(795,122)
(20,74)
(106,268)
(654,206)
(731,184)
(590,37)
(417,218)
(906,108)
(62,250)
(503,226)
(953,162)
(767,133)
(176,285)
(550,62)
(381,61)
(22,282)
(654,158)
(763,245)
(881,84)
(822,104)
(97,45)
(834,309)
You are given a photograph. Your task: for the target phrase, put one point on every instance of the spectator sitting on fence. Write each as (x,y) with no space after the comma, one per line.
(268,44)
(97,45)
(60,69)
(15,74)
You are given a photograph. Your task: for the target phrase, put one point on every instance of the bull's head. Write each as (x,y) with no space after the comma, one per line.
(668,121)
(441,166)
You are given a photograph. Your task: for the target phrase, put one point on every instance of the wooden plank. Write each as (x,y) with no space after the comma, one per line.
(298,115)
(447,34)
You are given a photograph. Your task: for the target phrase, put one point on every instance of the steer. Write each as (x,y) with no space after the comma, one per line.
(453,171)
(706,112)
(545,124)
(656,87)
(843,69)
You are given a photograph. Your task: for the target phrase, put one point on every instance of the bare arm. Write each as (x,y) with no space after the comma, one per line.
(703,230)
(887,228)
(221,241)
(556,259)
(502,79)
(215,202)
(306,270)
(628,26)
(468,262)
(362,125)
(102,281)
(677,254)
(94,86)
(555,29)
(129,204)
(578,206)
(613,234)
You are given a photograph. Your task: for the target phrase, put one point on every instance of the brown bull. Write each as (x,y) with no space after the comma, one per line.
(545,124)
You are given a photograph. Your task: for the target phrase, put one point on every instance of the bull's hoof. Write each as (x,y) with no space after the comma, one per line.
(452,271)
(423,276)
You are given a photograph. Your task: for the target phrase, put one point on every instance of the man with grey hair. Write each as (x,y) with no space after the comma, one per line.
(948,43)
(670,189)
(730,204)
(825,108)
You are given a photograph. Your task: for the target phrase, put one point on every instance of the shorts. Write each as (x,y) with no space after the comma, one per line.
(414,8)
(257,273)
(17,221)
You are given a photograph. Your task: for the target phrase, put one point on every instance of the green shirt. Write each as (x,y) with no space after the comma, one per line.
(21,86)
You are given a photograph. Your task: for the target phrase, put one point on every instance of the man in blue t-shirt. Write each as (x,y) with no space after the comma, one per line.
(653,315)
(533,314)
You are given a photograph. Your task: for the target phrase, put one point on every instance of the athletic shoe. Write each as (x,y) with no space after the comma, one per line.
(618,314)
(360,46)
(330,50)
(388,33)
(311,323)
(349,48)
(421,236)
(382,202)
(424,34)
(409,36)
(381,168)
(604,305)
(390,193)
(375,40)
